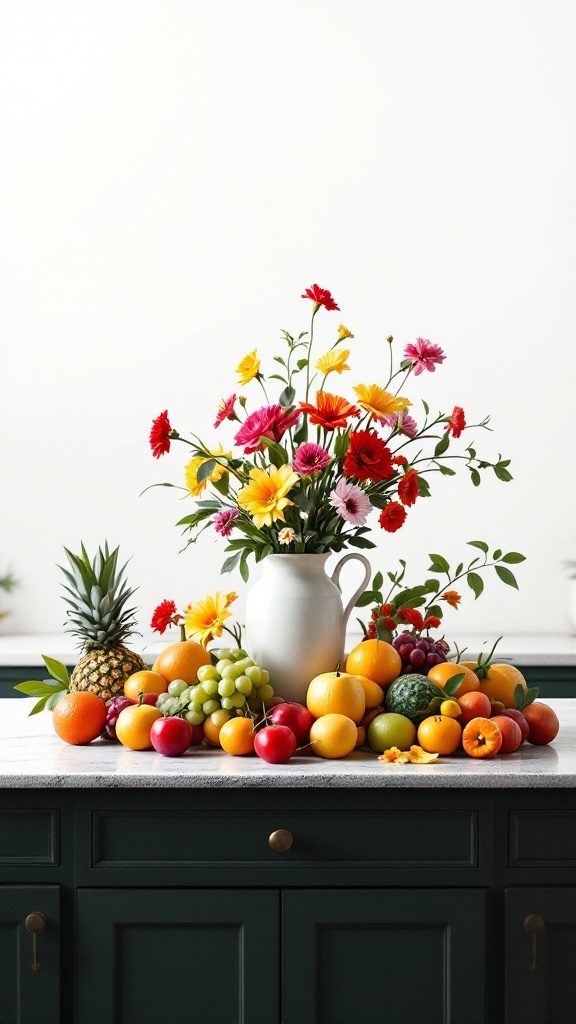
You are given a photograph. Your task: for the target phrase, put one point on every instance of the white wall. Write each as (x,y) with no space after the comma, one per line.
(175,173)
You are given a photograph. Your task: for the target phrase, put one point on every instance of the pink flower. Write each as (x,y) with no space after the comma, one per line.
(351,503)
(310,458)
(271,421)
(424,355)
(407,424)
(225,410)
(224,521)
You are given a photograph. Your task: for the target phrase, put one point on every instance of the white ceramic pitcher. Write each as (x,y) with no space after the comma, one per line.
(295,621)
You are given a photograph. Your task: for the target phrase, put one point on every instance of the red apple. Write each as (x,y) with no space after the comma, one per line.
(171,736)
(511,733)
(519,718)
(275,743)
(197,735)
(296,717)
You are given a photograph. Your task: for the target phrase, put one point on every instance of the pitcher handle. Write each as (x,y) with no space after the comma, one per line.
(367,574)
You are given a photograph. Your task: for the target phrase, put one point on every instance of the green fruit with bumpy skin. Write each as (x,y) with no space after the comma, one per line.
(414,696)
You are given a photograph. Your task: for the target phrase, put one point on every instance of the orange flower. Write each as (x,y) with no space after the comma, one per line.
(408,489)
(452,597)
(330,411)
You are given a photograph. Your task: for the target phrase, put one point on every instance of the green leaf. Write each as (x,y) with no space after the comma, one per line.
(211,503)
(244,570)
(440,562)
(497,554)
(205,470)
(506,576)
(475,477)
(382,632)
(513,557)
(39,706)
(445,470)
(453,683)
(276,376)
(278,359)
(368,597)
(379,500)
(223,484)
(302,363)
(377,581)
(423,487)
(437,610)
(432,586)
(287,397)
(426,407)
(442,446)
(52,701)
(230,563)
(278,455)
(360,542)
(57,670)
(459,568)
(476,583)
(303,502)
(530,695)
(341,445)
(478,544)
(502,474)
(38,688)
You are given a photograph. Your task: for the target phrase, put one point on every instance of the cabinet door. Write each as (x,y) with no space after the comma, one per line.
(148,955)
(29,988)
(541,956)
(383,954)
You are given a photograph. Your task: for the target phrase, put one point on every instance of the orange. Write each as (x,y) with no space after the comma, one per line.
(144,682)
(439,734)
(237,736)
(134,724)
(500,683)
(333,736)
(481,738)
(212,725)
(79,717)
(181,661)
(373,694)
(336,693)
(474,705)
(440,674)
(376,659)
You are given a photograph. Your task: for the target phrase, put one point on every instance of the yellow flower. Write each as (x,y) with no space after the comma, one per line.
(248,368)
(378,402)
(206,618)
(265,497)
(333,360)
(413,756)
(343,332)
(191,471)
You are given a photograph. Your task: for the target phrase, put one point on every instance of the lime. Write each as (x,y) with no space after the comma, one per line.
(391,730)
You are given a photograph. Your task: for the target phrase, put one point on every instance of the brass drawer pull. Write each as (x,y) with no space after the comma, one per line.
(281,840)
(35,923)
(534,925)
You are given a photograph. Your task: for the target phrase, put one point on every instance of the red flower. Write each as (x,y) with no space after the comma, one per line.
(392,516)
(330,411)
(225,410)
(411,616)
(367,457)
(164,615)
(270,421)
(385,609)
(408,489)
(320,297)
(457,422)
(160,435)
(432,622)
(400,460)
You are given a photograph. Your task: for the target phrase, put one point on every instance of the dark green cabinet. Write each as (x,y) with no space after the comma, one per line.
(29,970)
(383,954)
(154,955)
(540,956)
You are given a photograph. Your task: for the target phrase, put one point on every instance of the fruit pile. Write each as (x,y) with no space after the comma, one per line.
(233,682)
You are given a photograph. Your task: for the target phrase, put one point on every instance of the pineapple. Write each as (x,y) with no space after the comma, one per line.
(98,617)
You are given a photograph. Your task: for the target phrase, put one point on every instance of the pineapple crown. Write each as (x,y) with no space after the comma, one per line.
(98,594)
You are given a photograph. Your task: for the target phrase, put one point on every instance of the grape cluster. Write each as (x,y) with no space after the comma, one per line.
(419,653)
(234,683)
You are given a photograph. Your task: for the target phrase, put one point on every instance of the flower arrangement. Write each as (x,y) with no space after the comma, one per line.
(306,475)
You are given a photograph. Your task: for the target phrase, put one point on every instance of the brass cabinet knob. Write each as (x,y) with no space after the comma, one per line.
(534,925)
(281,840)
(35,923)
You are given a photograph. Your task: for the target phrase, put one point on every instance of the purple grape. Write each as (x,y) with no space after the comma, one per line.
(423,644)
(417,658)
(433,659)
(405,651)
(113,708)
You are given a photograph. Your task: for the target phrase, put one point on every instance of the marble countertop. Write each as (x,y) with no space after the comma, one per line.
(523,649)
(33,757)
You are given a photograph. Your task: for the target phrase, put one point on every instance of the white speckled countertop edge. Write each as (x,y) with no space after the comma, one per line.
(33,757)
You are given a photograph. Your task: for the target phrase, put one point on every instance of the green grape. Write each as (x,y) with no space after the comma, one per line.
(161,699)
(195,717)
(265,692)
(210,686)
(254,674)
(199,694)
(222,664)
(231,672)
(176,687)
(195,706)
(226,687)
(236,699)
(244,685)
(227,704)
(171,706)
(210,706)
(264,677)
(238,653)
(206,672)
(222,652)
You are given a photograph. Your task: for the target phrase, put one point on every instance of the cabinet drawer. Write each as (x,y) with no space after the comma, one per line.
(28,836)
(542,838)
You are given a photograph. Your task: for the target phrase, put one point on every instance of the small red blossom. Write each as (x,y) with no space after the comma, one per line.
(408,489)
(457,422)
(160,435)
(431,622)
(164,615)
(400,460)
(385,609)
(392,516)
(390,625)
(412,616)
(368,458)
(320,297)
(226,410)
